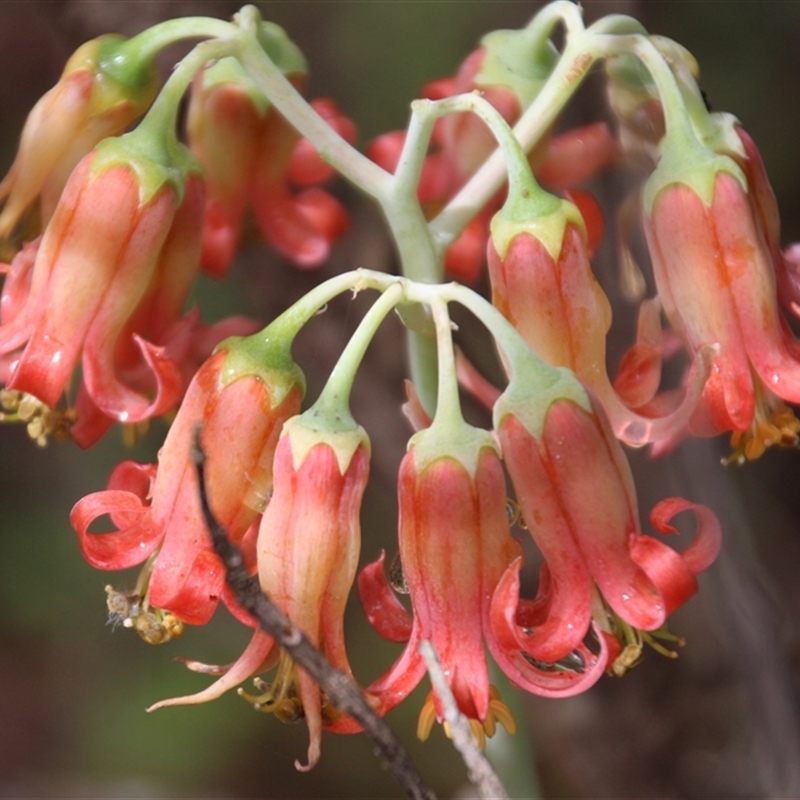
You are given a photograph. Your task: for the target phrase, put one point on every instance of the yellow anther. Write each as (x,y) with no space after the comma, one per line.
(40,421)
(498,711)
(773,424)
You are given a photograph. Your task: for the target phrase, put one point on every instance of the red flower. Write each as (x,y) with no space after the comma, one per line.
(252,156)
(715,276)
(542,282)
(576,494)
(93,266)
(308,548)
(156,508)
(455,547)
(84,107)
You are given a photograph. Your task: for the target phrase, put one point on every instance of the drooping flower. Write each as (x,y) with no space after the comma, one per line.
(716,280)
(89,103)
(307,553)
(576,495)
(155,508)
(455,546)
(253,157)
(542,282)
(105,287)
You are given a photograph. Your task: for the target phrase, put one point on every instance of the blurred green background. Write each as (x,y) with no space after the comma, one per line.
(720,721)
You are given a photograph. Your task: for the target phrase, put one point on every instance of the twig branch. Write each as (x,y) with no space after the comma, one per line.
(479,770)
(342,691)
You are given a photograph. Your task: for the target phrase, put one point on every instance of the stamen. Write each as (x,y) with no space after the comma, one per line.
(498,711)
(632,641)
(427,716)
(397,579)
(280,697)
(775,425)
(40,421)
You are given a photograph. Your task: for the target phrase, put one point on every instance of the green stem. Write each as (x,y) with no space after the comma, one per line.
(334,400)
(162,118)
(145,46)
(448,404)
(519,357)
(291,321)
(677,123)
(521,181)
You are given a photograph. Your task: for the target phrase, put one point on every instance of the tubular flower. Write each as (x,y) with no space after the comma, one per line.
(156,508)
(542,282)
(307,552)
(455,546)
(88,104)
(84,286)
(253,157)
(576,495)
(716,280)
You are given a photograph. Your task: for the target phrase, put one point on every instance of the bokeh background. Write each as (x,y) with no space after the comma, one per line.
(721,720)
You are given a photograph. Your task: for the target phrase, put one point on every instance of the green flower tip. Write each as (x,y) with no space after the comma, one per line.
(316,426)
(512,60)
(155,156)
(686,161)
(268,359)
(126,69)
(460,442)
(533,388)
(539,213)
(282,51)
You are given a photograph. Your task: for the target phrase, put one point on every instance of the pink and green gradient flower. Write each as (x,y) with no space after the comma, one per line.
(88,104)
(307,552)
(717,283)
(542,282)
(577,497)
(254,159)
(155,508)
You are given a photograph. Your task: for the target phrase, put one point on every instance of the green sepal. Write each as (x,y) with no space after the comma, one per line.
(685,161)
(533,388)
(514,61)
(539,213)
(461,442)
(155,156)
(265,357)
(316,426)
(124,70)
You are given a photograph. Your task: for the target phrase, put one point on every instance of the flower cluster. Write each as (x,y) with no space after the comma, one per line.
(95,292)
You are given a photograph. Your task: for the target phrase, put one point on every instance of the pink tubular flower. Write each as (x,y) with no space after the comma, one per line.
(542,282)
(307,551)
(455,547)
(253,157)
(105,288)
(84,107)
(93,266)
(716,280)
(576,494)
(156,508)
